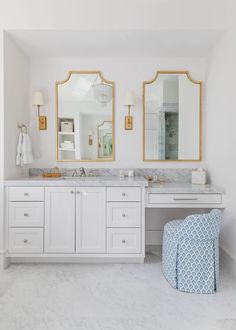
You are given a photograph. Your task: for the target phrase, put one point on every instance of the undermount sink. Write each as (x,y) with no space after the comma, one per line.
(80,177)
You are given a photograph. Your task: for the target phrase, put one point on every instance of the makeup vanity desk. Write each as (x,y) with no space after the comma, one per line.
(186,195)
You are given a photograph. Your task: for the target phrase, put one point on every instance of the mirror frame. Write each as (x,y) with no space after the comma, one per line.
(200,116)
(70,73)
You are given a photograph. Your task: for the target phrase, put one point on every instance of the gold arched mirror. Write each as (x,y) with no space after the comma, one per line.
(84,100)
(172,117)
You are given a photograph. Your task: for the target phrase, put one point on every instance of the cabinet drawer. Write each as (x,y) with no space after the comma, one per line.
(184,198)
(26,214)
(121,240)
(26,194)
(119,194)
(123,214)
(26,240)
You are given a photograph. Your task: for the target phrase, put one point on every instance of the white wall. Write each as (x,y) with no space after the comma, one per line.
(16,102)
(122,14)
(221,128)
(127,74)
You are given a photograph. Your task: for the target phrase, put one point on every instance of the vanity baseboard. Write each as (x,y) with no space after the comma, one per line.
(70,258)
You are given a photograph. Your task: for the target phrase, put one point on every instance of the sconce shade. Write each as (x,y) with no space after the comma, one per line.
(38,98)
(130,98)
(90,132)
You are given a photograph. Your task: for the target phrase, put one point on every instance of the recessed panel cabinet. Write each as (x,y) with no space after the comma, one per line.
(75,220)
(91,220)
(59,220)
(81,223)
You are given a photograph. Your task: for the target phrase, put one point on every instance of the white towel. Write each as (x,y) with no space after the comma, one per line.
(24,150)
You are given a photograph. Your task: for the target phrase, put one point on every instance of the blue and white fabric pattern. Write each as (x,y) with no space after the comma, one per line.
(190,253)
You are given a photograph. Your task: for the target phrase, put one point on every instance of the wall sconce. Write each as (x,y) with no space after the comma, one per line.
(38,102)
(130,101)
(90,138)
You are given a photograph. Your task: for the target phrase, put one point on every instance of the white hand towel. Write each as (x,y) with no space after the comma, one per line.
(24,150)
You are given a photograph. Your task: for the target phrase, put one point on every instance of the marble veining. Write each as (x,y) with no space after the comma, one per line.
(108,297)
(182,175)
(100,181)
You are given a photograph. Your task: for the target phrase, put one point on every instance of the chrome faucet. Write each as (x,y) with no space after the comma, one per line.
(79,173)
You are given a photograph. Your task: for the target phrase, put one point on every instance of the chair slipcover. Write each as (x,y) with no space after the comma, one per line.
(190,255)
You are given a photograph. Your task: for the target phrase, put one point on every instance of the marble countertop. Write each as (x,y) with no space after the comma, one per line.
(115,181)
(107,181)
(182,188)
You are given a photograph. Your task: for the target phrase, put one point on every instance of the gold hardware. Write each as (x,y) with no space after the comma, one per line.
(129,120)
(42,123)
(42,119)
(128,123)
(90,140)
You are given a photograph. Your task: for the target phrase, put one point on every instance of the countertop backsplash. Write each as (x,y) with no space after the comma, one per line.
(182,175)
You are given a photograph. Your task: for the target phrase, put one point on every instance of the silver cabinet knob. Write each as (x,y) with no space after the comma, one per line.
(25,241)
(123,241)
(26,214)
(26,194)
(78,192)
(123,215)
(123,194)
(72,192)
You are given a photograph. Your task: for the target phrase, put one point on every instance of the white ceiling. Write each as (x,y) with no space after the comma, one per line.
(117,43)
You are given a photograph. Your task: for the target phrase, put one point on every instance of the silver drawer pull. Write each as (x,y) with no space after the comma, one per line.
(123,194)
(26,214)
(26,194)
(123,241)
(25,241)
(185,199)
(123,215)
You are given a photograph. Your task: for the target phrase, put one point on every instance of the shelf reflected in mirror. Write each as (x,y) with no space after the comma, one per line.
(85,117)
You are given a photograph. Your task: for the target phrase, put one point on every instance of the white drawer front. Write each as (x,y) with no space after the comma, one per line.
(26,214)
(26,194)
(123,214)
(184,198)
(121,240)
(26,240)
(122,194)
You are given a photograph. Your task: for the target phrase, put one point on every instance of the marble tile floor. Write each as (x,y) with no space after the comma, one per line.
(108,297)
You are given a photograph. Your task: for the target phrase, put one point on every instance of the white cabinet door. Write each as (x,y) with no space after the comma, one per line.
(60,220)
(91,220)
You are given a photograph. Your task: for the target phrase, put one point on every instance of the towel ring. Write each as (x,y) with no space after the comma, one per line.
(22,127)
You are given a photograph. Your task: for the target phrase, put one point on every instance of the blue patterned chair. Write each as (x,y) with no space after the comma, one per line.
(190,253)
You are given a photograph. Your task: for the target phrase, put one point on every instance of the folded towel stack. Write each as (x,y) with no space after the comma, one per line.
(67,145)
